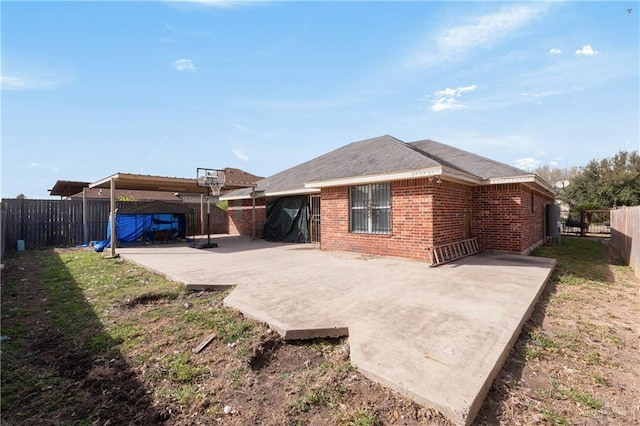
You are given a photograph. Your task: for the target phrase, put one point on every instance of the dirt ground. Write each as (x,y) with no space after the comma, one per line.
(576,362)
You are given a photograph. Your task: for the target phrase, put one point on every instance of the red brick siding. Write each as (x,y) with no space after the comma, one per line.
(504,219)
(534,218)
(411,226)
(451,202)
(241,215)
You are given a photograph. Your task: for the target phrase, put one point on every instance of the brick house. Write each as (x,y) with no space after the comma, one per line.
(382,196)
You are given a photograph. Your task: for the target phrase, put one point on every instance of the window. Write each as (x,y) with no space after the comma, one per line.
(371,208)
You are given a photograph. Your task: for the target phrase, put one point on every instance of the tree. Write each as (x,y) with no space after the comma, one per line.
(606,183)
(554,175)
(21,197)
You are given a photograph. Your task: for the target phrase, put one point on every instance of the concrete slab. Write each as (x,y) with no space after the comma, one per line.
(438,335)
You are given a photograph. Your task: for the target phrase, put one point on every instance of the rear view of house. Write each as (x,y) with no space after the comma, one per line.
(382,196)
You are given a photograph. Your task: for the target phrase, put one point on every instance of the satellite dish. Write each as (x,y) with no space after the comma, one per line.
(561,184)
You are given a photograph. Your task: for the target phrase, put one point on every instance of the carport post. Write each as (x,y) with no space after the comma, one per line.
(253,213)
(208,221)
(201,214)
(113,217)
(85,223)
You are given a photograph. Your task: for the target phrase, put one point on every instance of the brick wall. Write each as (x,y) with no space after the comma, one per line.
(411,226)
(452,202)
(241,216)
(508,217)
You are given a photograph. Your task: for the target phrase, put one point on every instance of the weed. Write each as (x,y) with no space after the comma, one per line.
(324,367)
(344,367)
(601,380)
(101,343)
(570,340)
(538,345)
(555,419)
(237,375)
(559,392)
(585,399)
(570,279)
(229,327)
(360,417)
(321,396)
(186,394)
(569,297)
(299,405)
(592,357)
(181,370)
(555,392)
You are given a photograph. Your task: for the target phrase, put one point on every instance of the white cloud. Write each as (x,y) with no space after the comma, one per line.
(34,165)
(555,51)
(20,83)
(479,31)
(240,155)
(586,50)
(184,65)
(528,163)
(447,98)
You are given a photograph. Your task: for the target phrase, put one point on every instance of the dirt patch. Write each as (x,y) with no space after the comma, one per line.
(136,365)
(577,360)
(148,298)
(130,359)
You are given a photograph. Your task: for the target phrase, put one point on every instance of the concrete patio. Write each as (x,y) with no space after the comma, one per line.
(438,335)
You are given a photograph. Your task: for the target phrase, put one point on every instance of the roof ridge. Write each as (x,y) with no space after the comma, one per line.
(394,140)
(468,152)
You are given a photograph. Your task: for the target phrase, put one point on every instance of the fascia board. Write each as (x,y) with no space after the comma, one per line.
(387,177)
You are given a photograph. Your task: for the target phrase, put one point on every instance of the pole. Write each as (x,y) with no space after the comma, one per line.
(202,214)
(253,213)
(208,221)
(85,222)
(113,217)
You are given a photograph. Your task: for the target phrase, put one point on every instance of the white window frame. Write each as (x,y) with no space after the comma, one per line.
(370,207)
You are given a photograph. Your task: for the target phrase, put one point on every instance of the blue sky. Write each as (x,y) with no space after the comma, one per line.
(94,88)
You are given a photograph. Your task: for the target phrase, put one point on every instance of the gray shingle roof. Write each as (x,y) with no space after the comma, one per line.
(466,161)
(380,155)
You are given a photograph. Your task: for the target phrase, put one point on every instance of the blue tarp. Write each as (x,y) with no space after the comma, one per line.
(144,227)
(134,227)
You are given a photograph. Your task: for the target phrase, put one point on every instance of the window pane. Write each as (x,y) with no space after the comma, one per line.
(359,208)
(358,220)
(381,221)
(381,195)
(359,196)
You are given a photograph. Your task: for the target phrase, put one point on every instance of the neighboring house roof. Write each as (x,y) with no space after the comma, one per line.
(238,178)
(386,158)
(67,188)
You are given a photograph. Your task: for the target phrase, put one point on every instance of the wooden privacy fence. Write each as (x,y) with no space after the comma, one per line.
(625,235)
(43,223)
